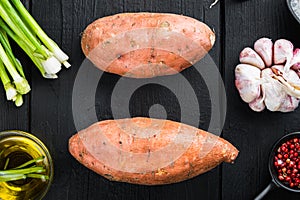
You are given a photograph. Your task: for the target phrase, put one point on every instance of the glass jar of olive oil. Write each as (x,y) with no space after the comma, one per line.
(19,147)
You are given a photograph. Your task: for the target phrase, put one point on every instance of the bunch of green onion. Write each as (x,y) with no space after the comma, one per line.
(30,169)
(17,24)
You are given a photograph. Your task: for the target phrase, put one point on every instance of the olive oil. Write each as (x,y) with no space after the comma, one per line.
(14,151)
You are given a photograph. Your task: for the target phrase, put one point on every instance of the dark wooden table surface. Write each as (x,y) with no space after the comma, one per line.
(47,111)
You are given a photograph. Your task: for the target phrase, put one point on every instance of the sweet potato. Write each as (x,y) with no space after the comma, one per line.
(144,45)
(149,151)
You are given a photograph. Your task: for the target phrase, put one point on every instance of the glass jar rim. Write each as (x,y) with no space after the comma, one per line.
(9,133)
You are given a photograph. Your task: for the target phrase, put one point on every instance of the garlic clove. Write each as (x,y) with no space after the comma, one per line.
(249,56)
(264,48)
(283,51)
(289,104)
(272,90)
(248,82)
(295,61)
(289,89)
(258,104)
(296,67)
(290,76)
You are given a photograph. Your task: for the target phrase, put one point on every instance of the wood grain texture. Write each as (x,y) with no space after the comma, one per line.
(47,111)
(51,111)
(52,120)
(253,133)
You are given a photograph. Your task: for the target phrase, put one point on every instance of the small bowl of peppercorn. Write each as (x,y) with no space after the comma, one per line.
(284,164)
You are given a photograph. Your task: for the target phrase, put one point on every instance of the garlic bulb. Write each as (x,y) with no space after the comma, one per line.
(268,76)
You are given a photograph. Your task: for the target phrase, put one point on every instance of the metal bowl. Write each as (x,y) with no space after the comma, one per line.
(272,169)
(292,11)
(275,182)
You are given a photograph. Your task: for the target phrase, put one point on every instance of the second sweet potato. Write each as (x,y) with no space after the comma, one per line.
(149,151)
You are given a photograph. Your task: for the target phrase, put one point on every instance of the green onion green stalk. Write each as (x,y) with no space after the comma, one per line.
(17,23)
(30,169)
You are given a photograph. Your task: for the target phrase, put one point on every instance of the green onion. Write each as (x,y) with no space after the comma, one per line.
(14,28)
(21,172)
(17,23)
(5,42)
(21,83)
(11,17)
(18,100)
(6,163)
(27,47)
(39,176)
(37,160)
(10,89)
(49,43)
(12,177)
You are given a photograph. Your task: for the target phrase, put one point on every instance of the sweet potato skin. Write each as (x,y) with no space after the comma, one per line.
(149,44)
(202,151)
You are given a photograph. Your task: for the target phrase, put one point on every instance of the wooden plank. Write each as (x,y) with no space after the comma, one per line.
(51,110)
(52,120)
(207,185)
(253,133)
(13,118)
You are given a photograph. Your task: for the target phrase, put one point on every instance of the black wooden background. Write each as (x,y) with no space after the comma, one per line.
(47,111)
